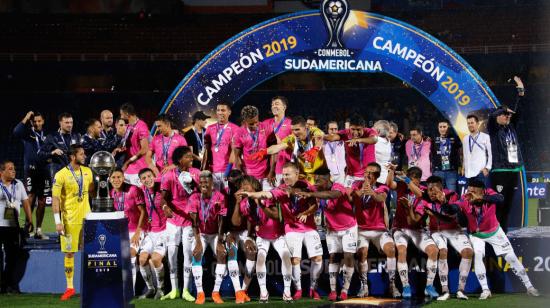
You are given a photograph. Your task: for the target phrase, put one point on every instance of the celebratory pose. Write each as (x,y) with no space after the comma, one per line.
(37,179)
(408,226)
(236,235)
(280,127)
(263,224)
(479,206)
(444,228)
(360,141)
(218,141)
(72,187)
(370,211)
(207,209)
(176,186)
(153,247)
(163,146)
(136,144)
(305,145)
(335,154)
(250,142)
(341,225)
(129,199)
(300,228)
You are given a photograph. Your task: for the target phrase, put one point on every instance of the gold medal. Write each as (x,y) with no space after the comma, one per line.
(80,199)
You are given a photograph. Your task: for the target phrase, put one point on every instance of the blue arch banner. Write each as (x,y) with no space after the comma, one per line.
(334,39)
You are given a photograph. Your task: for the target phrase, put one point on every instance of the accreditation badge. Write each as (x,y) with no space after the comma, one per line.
(512,153)
(9,213)
(445,163)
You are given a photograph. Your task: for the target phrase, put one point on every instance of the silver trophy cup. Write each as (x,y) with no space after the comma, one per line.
(102,164)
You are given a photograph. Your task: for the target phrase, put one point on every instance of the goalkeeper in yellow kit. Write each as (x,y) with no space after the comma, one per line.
(72,187)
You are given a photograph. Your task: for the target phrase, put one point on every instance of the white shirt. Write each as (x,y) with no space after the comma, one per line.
(477,154)
(336,162)
(383,151)
(19,196)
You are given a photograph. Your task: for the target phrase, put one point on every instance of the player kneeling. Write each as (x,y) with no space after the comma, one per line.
(129,199)
(154,244)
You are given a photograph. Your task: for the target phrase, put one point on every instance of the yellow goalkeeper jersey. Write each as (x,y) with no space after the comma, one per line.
(65,187)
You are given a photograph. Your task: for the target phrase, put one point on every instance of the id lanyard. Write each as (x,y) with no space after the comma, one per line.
(9,196)
(434,209)
(38,138)
(510,136)
(444,148)
(153,208)
(205,209)
(276,130)
(303,148)
(255,214)
(129,130)
(295,204)
(165,148)
(416,154)
(67,146)
(254,136)
(200,140)
(366,198)
(79,182)
(220,135)
(119,201)
(479,216)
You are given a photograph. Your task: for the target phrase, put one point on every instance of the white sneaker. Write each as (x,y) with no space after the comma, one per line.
(264,297)
(40,236)
(394,291)
(485,294)
(461,295)
(287,298)
(364,291)
(444,297)
(533,292)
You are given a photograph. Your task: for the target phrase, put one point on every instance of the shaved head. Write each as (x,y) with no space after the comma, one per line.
(106,118)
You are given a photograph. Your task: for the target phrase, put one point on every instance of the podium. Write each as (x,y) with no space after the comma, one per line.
(106,272)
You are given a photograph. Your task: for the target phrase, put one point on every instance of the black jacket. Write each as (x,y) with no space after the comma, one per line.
(398,152)
(32,142)
(91,145)
(57,141)
(454,153)
(498,134)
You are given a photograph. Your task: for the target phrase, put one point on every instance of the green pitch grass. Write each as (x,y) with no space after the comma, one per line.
(498,300)
(48,225)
